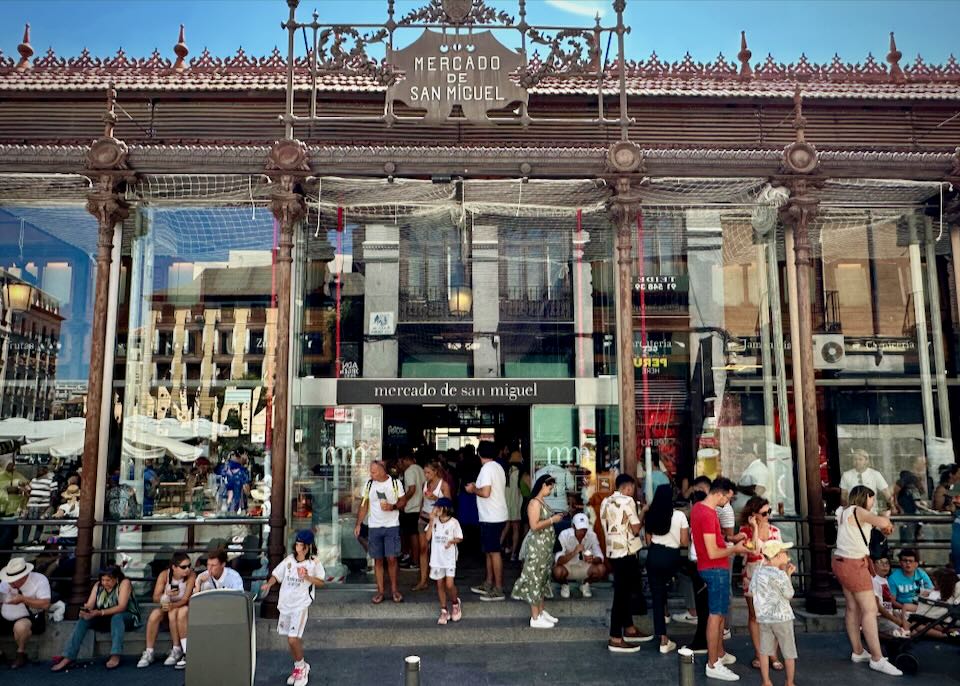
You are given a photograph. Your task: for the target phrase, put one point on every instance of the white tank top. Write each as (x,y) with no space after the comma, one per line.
(427,506)
(175,590)
(850,544)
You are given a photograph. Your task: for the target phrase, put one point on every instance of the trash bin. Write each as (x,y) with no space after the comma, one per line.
(223,641)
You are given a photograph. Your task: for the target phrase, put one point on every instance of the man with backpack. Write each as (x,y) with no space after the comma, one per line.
(383,497)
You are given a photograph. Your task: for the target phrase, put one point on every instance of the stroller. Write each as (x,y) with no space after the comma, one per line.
(900,649)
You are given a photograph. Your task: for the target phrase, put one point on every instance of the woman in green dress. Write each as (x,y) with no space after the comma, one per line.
(534,582)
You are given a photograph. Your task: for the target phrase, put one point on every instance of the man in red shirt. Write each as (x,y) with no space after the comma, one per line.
(713,564)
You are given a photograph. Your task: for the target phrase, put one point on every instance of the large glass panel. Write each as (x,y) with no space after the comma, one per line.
(47,280)
(441,315)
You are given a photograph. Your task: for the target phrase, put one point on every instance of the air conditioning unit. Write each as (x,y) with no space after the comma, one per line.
(828,351)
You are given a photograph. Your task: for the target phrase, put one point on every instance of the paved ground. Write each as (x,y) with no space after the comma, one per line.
(823,657)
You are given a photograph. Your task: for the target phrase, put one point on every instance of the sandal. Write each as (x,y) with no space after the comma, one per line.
(755,663)
(420,587)
(397,598)
(777,666)
(377,599)
(112,662)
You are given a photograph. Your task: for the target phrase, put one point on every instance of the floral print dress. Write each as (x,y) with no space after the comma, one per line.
(534,582)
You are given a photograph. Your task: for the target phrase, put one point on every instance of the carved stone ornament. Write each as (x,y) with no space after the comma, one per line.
(623,207)
(625,157)
(457,11)
(106,203)
(288,155)
(287,206)
(800,158)
(107,153)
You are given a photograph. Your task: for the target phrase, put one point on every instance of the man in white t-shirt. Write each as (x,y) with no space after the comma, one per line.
(490,489)
(413,480)
(580,557)
(863,474)
(383,498)
(756,479)
(25,597)
(563,490)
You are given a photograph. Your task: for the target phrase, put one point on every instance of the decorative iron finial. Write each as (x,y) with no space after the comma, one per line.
(181,51)
(800,157)
(25,50)
(744,56)
(893,57)
(110,115)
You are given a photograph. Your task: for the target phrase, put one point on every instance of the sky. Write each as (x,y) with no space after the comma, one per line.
(705,28)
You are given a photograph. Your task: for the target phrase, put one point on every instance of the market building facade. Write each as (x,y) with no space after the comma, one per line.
(423,234)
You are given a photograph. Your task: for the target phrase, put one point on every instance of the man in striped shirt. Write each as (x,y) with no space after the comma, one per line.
(42,487)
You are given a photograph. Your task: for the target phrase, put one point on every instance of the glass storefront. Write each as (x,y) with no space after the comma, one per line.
(429,317)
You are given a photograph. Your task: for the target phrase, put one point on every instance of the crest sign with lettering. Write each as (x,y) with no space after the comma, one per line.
(469,70)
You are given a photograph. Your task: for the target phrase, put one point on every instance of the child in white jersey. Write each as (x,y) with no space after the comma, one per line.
(444,533)
(298,575)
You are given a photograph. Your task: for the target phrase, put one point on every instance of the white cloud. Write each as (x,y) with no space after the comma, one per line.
(581,7)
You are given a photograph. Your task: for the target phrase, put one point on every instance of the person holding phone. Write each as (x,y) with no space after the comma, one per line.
(383,498)
(25,597)
(534,584)
(172,592)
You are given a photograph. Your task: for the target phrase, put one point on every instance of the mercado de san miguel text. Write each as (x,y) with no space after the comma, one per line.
(228,284)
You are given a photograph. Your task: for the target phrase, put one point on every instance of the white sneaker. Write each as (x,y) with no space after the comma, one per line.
(884,667)
(860,657)
(540,622)
(666,619)
(667,647)
(549,617)
(685,618)
(727,634)
(293,676)
(585,590)
(174,657)
(146,659)
(564,591)
(301,675)
(728,659)
(181,663)
(721,672)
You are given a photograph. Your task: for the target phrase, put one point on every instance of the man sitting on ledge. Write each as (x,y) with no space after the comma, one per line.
(580,558)
(25,595)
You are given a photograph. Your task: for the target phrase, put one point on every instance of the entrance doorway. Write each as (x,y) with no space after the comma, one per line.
(453,427)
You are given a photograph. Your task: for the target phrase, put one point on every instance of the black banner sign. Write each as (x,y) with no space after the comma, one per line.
(456,392)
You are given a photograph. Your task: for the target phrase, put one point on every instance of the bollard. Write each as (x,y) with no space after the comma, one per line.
(411,672)
(685,655)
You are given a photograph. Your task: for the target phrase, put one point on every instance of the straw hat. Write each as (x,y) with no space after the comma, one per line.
(72,492)
(15,570)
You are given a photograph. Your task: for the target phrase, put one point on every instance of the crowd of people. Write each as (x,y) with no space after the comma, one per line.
(419,513)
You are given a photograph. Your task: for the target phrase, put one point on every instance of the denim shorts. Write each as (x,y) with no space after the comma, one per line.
(718,589)
(384,541)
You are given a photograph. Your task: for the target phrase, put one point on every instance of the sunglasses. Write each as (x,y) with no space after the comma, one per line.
(765,513)
(186,566)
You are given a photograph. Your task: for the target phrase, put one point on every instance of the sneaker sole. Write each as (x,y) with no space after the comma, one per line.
(487,599)
(644,639)
(718,677)
(633,649)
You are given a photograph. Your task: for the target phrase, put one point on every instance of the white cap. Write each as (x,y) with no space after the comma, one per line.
(580,521)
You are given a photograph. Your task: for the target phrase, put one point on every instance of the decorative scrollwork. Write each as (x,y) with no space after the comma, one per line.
(447,11)
(573,52)
(343,50)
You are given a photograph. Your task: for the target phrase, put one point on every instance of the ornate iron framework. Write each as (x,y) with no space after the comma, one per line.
(571,52)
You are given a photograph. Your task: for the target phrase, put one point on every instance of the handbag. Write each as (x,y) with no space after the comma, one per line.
(869,558)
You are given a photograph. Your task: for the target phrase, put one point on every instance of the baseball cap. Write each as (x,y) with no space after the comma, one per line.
(444,502)
(581,521)
(773,548)
(304,536)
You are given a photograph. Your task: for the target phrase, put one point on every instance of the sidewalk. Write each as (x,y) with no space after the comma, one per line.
(822,657)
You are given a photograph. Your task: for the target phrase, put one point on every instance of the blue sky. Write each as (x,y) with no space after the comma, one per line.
(785,28)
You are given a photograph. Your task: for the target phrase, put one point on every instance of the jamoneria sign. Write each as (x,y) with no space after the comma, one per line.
(446,62)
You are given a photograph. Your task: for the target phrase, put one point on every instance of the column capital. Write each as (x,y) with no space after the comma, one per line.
(623,206)
(287,164)
(106,201)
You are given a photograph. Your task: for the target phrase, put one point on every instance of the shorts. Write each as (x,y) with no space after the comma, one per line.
(384,542)
(409,523)
(438,573)
(577,570)
(38,624)
(292,624)
(718,590)
(778,633)
(490,533)
(853,574)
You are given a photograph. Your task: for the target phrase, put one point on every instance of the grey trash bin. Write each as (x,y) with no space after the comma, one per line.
(222,639)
